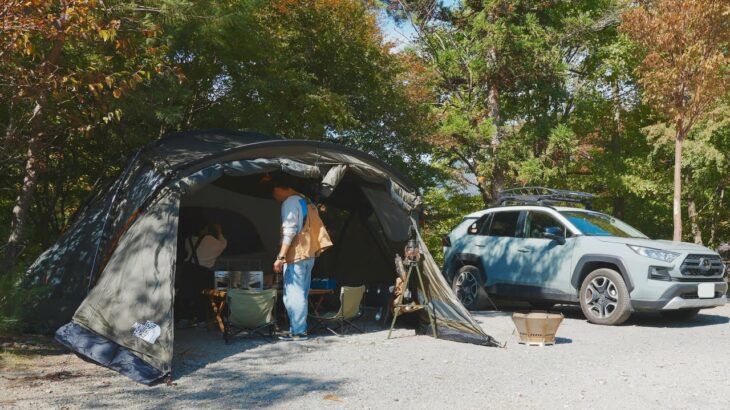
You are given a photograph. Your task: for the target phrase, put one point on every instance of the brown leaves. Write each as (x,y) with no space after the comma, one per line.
(685,43)
(74,50)
(332,397)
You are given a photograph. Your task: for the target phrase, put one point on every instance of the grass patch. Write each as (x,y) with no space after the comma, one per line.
(19,352)
(14,299)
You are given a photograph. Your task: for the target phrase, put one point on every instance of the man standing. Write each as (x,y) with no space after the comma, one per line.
(303,237)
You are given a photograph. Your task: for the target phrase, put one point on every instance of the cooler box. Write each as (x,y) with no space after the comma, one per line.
(324,283)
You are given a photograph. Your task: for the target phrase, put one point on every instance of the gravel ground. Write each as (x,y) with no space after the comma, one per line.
(646,363)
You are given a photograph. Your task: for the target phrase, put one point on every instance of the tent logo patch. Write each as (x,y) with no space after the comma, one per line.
(148,331)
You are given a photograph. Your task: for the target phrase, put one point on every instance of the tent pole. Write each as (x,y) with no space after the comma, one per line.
(106,217)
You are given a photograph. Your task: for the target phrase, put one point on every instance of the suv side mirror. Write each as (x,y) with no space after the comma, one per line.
(554,233)
(473,229)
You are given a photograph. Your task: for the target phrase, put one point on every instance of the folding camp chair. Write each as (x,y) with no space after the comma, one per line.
(350,298)
(249,310)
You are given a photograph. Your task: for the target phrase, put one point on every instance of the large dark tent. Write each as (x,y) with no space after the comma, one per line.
(114,268)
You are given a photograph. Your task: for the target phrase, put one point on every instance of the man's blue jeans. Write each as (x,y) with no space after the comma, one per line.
(297,278)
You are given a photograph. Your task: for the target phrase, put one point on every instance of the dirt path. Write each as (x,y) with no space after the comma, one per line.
(647,363)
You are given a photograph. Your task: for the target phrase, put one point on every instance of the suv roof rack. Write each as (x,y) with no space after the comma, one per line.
(533,195)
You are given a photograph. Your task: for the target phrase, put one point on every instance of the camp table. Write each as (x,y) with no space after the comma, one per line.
(217,300)
(316,297)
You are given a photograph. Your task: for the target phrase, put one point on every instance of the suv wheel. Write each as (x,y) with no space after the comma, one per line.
(466,285)
(604,297)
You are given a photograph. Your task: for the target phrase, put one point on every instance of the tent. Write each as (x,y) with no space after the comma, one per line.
(111,275)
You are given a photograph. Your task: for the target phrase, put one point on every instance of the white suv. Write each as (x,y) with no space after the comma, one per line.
(548,254)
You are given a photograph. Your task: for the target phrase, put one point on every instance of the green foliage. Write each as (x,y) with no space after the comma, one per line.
(315,70)
(570,112)
(13,300)
(445,207)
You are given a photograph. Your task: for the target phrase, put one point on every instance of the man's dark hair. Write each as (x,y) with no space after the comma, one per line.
(282,181)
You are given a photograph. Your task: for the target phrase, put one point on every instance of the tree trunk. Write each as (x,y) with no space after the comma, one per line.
(677,200)
(10,127)
(618,201)
(483,191)
(713,220)
(495,112)
(692,212)
(15,244)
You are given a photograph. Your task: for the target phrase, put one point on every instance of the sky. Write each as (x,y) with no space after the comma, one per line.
(402,35)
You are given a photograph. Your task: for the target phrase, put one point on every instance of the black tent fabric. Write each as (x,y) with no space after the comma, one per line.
(111,275)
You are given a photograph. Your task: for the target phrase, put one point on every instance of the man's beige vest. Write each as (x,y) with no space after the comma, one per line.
(312,240)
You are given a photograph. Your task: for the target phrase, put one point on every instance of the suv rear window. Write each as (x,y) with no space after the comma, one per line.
(504,223)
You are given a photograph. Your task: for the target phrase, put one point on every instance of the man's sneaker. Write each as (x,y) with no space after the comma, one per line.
(293,338)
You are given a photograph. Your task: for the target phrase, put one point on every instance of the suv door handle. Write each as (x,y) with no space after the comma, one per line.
(524,250)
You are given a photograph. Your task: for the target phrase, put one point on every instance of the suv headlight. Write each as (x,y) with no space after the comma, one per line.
(658,254)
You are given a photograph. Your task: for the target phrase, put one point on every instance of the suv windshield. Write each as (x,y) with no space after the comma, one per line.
(598,224)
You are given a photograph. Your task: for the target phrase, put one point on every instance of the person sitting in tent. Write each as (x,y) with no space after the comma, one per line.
(303,237)
(196,272)
(207,247)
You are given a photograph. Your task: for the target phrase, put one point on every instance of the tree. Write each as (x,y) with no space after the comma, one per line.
(314,70)
(311,70)
(61,62)
(685,68)
(507,76)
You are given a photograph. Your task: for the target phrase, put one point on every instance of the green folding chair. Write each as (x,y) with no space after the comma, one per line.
(249,310)
(350,298)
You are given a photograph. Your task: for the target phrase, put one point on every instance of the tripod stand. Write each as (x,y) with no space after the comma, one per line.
(413,306)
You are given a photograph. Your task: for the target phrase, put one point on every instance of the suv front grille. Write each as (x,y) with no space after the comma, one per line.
(702,265)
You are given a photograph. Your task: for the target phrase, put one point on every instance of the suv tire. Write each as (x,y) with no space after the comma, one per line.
(604,297)
(679,315)
(468,289)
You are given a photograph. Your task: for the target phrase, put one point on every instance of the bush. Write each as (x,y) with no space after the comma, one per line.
(11,299)
(14,299)
(444,208)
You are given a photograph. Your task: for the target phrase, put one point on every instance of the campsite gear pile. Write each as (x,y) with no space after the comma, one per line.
(115,267)
(537,328)
(413,256)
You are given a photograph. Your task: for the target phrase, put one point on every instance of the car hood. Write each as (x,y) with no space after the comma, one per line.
(657,244)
